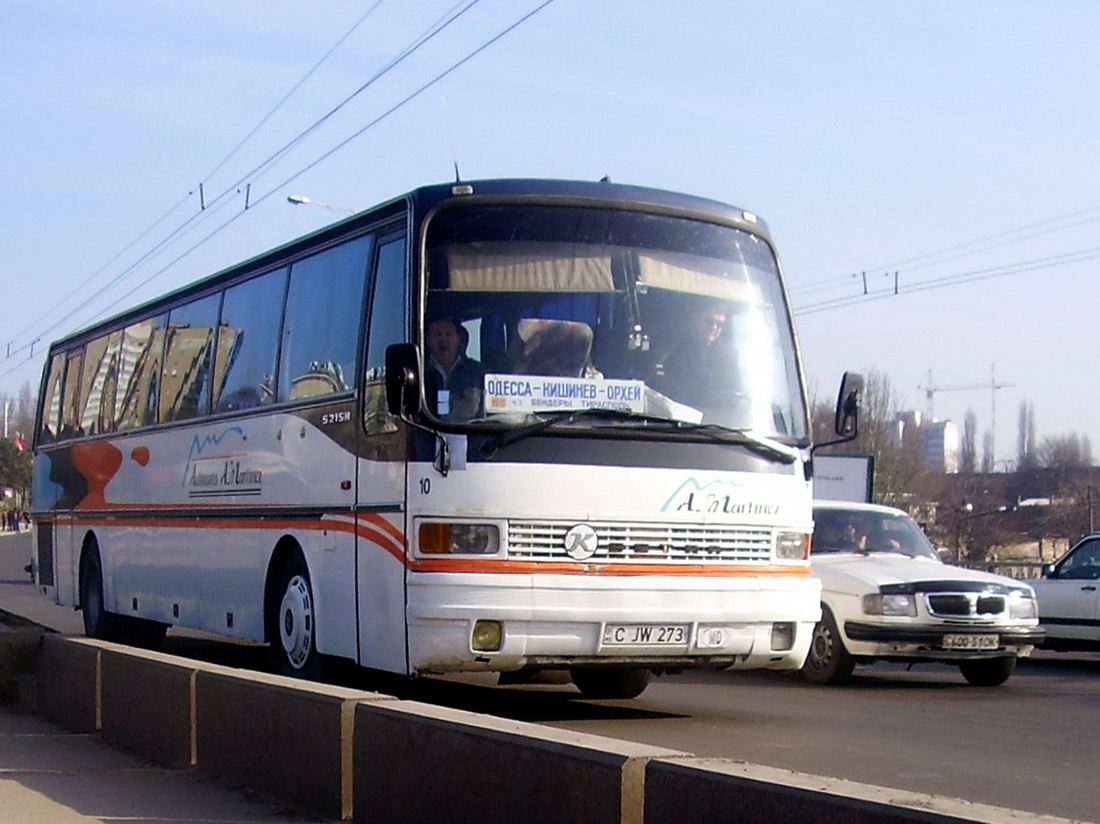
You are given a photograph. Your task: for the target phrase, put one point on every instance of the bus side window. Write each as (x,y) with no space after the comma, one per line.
(185,381)
(51,400)
(248,342)
(387,326)
(139,372)
(320,332)
(71,404)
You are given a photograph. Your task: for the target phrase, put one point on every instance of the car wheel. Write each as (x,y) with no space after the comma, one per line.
(610,683)
(828,661)
(988,672)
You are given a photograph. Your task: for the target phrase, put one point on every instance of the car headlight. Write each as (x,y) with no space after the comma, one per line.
(444,538)
(890,604)
(1021,605)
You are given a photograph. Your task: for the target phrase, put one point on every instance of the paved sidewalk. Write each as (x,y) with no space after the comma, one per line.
(51,776)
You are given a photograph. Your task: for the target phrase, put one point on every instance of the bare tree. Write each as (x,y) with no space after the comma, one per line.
(1026,447)
(1065,451)
(968,449)
(989,459)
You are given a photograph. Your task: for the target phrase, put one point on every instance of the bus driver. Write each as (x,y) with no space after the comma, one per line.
(455,382)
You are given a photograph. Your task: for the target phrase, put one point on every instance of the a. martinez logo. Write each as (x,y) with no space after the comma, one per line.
(715,497)
(217,465)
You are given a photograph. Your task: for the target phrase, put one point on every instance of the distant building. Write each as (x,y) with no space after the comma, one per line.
(939,440)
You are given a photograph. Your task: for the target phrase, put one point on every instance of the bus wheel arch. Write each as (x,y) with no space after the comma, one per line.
(91,593)
(290,626)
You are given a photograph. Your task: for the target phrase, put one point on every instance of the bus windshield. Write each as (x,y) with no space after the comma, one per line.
(535,309)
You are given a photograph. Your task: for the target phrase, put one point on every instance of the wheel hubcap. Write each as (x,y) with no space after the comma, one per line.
(296,624)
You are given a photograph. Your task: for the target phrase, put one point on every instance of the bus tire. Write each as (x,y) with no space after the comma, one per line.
(987,672)
(292,631)
(828,661)
(596,682)
(98,622)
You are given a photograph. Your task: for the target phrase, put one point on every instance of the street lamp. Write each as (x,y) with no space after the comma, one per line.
(302,200)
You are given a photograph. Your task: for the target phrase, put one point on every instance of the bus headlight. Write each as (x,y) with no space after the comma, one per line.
(443,538)
(792,546)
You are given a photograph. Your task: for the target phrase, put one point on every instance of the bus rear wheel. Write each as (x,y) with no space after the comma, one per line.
(292,629)
(109,626)
(598,682)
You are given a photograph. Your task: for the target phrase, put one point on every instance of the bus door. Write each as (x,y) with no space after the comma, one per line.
(381,483)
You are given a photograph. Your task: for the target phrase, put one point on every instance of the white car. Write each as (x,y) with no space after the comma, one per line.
(1069,598)
(887,595)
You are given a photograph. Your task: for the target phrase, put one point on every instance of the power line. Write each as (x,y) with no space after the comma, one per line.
(321,158)
(952,280)
(207,210)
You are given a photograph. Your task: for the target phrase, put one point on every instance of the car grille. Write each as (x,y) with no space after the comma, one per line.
(645,542)
(965,604)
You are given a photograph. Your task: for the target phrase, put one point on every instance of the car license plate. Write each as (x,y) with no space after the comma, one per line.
(971,641)
(646,635)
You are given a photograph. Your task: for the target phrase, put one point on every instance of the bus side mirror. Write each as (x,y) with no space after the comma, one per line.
(403,379)
(846,422)
(847,406)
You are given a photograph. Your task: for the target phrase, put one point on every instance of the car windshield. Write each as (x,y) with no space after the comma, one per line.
(536,310)
(859,530)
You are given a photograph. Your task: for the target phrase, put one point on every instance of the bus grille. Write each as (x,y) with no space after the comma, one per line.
(645,543)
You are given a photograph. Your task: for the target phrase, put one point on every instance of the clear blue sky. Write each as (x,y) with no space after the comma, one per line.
(873,137)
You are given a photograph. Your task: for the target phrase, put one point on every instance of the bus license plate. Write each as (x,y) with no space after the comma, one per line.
(971,641)
(646,635)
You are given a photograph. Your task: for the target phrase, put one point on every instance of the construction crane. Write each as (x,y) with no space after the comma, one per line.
(930,390)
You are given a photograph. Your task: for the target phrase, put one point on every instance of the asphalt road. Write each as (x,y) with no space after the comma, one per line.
(1029,745)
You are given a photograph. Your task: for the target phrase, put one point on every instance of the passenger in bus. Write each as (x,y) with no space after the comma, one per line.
(699,365)
(455,382)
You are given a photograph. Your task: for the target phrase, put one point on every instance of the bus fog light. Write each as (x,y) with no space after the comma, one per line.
(487,636)
(782,636)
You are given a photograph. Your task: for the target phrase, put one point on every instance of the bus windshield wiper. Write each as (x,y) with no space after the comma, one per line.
(764,447)
(489,447)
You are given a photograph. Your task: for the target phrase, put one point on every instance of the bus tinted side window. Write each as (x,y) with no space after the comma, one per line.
(71,405)
(387,325)
(51,400)
(101,379)
(248,343)
(185,382)
(320,333)
(142,346)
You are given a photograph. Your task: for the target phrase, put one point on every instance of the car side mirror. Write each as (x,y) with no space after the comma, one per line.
(1046,571)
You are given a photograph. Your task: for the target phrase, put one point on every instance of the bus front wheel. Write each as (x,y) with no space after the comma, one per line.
(292,626)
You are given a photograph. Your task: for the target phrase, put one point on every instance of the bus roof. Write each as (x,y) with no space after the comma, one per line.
(421,201)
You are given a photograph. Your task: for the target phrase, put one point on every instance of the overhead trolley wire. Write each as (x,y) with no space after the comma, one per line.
(215,204)
(391,110)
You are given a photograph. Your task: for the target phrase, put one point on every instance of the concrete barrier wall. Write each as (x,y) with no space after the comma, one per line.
(416,763)
(147,704)
(719,790)
(68,682)
(346,753)
(280,736)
